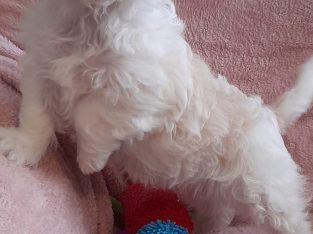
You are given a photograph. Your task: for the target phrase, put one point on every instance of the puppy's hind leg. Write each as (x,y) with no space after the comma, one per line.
(277,201)
(272,188)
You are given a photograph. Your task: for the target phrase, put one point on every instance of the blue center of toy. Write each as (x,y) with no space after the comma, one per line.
(161,227)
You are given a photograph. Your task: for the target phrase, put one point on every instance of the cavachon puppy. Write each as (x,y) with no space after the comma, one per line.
(119,75)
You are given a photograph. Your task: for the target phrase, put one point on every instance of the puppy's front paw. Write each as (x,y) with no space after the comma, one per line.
(20,147)
(90,163)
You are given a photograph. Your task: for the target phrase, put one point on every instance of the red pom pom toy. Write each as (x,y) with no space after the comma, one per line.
(148,208)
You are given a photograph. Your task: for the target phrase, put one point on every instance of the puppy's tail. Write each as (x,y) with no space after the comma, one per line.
(292,104)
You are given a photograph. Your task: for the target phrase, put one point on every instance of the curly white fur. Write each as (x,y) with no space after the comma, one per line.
(120,75)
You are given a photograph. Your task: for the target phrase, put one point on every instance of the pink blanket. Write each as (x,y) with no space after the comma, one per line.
(256,44)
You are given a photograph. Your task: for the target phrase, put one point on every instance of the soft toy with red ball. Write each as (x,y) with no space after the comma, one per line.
(153,211)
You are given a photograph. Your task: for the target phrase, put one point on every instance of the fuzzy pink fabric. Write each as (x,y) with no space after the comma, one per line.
(55,198)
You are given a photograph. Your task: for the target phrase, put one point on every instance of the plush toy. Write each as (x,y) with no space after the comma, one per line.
(152,211)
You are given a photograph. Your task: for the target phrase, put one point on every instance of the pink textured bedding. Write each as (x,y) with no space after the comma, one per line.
(258,45)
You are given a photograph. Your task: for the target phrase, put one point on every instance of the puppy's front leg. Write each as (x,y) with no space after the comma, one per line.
(95,141)
(28,142)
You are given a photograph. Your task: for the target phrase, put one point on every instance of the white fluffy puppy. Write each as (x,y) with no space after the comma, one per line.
(120,75)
